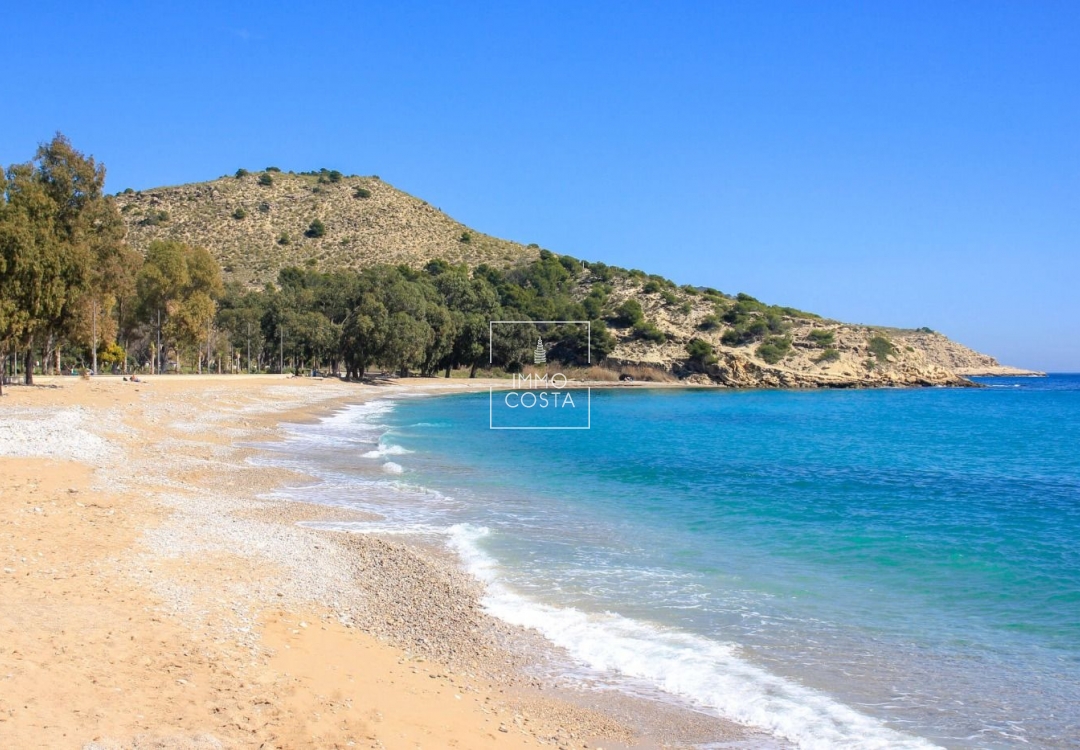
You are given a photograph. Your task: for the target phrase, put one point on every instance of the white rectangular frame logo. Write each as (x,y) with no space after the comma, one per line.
(491,360)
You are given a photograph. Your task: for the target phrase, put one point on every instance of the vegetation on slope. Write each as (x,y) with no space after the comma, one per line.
(73,292)
(257,223)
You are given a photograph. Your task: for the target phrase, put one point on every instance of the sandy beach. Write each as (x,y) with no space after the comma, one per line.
(154,596)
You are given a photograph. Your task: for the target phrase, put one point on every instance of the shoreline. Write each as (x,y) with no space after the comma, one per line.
(147,486)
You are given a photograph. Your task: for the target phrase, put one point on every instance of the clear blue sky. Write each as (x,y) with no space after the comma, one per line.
(900,163)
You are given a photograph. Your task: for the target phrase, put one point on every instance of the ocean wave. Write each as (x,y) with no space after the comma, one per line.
(705,672)
(387,450)
(392,468)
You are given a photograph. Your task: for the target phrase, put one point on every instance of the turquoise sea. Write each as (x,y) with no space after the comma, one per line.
(866,568)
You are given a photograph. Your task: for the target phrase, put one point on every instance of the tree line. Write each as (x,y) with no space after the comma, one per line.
(73,294)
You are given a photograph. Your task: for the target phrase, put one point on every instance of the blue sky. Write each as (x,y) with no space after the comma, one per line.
(898,163)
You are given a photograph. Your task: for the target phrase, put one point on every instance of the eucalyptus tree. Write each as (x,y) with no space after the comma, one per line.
(59,235)
(178,287)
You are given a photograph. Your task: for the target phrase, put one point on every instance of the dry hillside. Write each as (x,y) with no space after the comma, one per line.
(254,229)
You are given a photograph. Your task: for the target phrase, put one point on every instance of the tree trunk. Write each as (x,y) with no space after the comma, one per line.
(93,339)
(448,371)
(472,372)
(28,365)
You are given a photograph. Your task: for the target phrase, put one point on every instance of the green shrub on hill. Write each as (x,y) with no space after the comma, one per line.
(155,218)
(829,355)
(239,213)
(316,229)
(601,271)
(701,352)
(241,173)
(822,338)
(881,348)
(651,287)
(361,193)
(774,349)
(629,313)
(649,332)
(266,180)
(710,323)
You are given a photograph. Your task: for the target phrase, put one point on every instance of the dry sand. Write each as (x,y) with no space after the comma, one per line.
(152,596)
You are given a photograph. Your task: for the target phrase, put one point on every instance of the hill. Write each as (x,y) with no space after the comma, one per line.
(257,223)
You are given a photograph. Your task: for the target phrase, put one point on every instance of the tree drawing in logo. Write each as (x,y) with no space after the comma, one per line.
(539,355)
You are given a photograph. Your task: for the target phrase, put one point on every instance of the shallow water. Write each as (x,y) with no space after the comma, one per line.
(884,568)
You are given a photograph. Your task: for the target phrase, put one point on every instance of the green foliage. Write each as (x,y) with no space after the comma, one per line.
(601,271)
(710,323)
(829,355)
(155,218)
(925,329)
(62,258)
(649,332)
(284,238)
(178,285)
(465,238)
(241,173)
(315,229)
(822,337)
(265,179)
(272,169)
(701,353)
(669,297)
(595,301)
(881,348)
(686,308)
(629,313)
(774,349)
(239,213)
(651,287)
(361,193)
(570,263)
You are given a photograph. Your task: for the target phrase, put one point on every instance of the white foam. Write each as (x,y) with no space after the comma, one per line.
(387,450)
(392,468)
(708,673)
